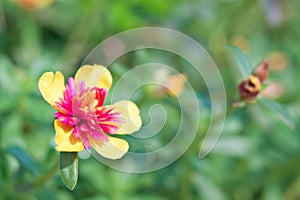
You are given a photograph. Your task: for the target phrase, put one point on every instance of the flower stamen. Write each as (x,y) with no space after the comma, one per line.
(82,108)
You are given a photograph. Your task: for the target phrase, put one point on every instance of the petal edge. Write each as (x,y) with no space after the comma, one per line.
(131,114)
(94,75)
(115,148)
(51,86)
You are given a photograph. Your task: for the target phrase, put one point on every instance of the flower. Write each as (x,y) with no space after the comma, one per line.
(33,4)
(273,90)
(172,85)
(251,87)
(278,61)
(175,84)
(241,42)
(81,118)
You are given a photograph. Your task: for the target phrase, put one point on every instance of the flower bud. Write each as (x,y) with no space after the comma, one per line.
(262,70)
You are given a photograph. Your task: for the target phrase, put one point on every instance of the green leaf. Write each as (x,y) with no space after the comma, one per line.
(3,167)
(279,110)
(69,168)
(241,61)
(24,159)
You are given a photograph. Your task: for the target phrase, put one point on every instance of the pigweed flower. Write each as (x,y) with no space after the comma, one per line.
(82,120)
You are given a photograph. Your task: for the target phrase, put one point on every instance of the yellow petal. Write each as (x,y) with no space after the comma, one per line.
(94,75)
(64,138)
(131,114)
(52,86)
(114,148)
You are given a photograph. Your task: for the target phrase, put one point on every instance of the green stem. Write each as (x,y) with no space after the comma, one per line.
(185,190)
(43,179)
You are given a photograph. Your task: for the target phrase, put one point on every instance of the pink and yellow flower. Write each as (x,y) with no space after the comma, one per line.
(82,120)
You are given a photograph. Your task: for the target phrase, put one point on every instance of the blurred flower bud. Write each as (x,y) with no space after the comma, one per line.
(250,88)
(277,61)
(274,12)
(273,90)
(172,85)
(262,70)
(175,84)
(33,4)
(241,42)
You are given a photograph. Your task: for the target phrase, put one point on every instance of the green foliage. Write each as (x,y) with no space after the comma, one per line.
(280,111)
(24,159)
(241,61)
(257,156)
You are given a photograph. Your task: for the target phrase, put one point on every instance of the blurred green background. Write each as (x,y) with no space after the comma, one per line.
(257,156)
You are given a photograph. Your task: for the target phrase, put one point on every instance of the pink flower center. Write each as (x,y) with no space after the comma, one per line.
(82,108)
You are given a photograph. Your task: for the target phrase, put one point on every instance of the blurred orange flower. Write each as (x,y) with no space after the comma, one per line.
(33,4)
(172,85)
